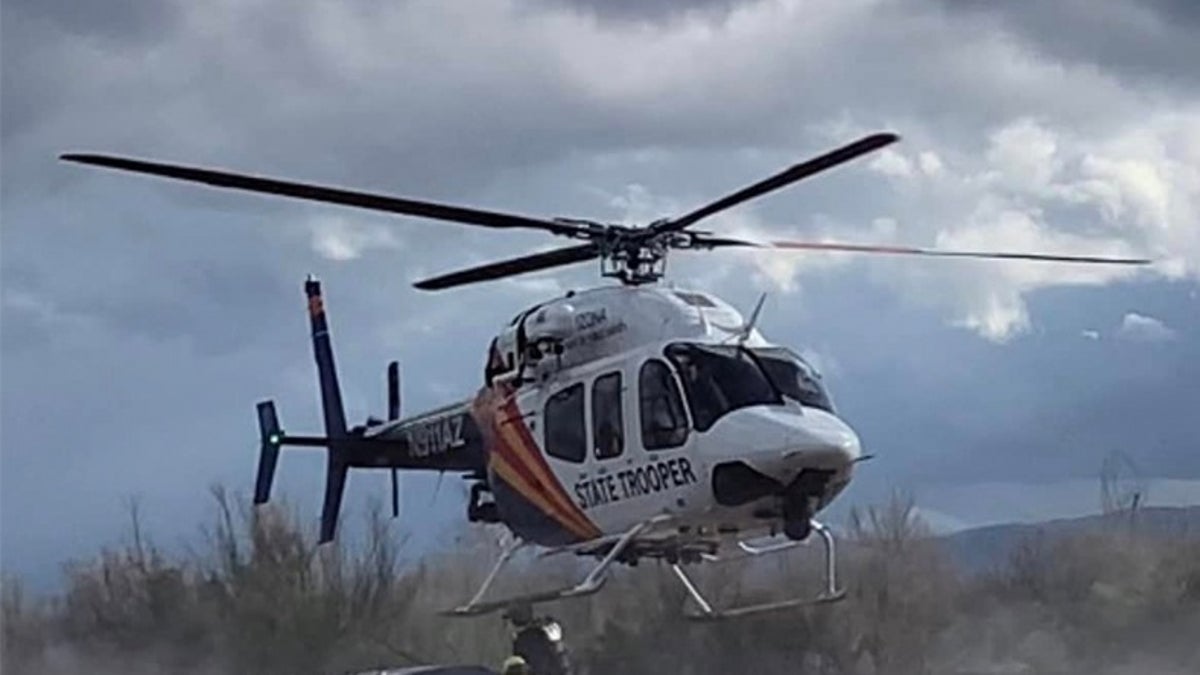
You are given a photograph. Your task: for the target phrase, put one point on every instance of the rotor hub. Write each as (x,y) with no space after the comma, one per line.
(634,256)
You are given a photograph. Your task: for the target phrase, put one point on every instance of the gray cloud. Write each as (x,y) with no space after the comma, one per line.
(413,116)
(119,20)
(651,10)
(43,40)
(1143,39)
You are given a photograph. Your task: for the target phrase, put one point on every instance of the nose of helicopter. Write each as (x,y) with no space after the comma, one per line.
(821,440)
(778,440)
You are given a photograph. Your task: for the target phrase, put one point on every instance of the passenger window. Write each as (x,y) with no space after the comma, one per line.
(566,435)
(664,422)
(565,431)
(608,428)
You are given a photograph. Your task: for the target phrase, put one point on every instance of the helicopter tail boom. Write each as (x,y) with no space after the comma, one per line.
(442,440)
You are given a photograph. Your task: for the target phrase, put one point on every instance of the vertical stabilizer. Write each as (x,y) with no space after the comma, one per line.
(331,393)
(331,407)
(393,405)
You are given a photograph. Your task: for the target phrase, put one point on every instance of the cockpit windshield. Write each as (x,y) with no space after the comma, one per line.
(794,377)
(720,379)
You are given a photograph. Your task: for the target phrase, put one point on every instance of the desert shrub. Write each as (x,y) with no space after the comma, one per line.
(256,594)
(26,627)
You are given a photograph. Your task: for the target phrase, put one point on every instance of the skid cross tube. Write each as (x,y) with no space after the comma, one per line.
(505,556)
(751,549)
(831,592)
(746,549)
(591,583)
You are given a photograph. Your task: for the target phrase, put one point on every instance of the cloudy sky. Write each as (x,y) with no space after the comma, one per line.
(141,320)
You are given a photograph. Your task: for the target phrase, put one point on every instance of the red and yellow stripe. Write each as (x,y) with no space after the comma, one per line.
(514,456)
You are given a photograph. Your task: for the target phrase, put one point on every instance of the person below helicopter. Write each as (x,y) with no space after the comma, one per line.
(515,665)
(537,643)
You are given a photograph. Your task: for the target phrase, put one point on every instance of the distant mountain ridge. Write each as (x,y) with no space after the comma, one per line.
(984,548)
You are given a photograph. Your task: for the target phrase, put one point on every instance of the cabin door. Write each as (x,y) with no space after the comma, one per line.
(666,472)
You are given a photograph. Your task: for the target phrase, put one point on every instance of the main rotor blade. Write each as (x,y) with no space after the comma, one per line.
(318,193)
(511,267)
(803,170)
(716,242)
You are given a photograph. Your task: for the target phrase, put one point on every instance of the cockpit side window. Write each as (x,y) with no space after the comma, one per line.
(664,421)
(608,424)
(566,431)
(719,379)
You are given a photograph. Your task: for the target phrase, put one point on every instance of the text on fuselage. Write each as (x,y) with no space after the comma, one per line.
(435,436)
(635,482)
(589,319)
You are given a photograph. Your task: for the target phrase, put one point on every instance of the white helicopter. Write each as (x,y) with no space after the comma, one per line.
(631,421)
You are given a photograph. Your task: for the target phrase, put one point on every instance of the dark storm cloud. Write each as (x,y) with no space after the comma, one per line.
(34,31)
(119,20)
(1177,11)
(650,10)
(386,131)
(416,117)
(1155,40)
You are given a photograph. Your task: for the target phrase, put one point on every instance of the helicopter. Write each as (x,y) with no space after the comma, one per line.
(630,421)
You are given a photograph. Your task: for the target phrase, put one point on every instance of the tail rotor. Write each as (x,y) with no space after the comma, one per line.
(270,438)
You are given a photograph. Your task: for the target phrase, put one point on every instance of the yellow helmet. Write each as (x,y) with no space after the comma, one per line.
(514,665)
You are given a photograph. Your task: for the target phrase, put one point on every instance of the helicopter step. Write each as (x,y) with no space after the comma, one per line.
(591,583)
(831,593)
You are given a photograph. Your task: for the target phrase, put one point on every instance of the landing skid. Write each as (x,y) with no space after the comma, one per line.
(593,582)
(831,592)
